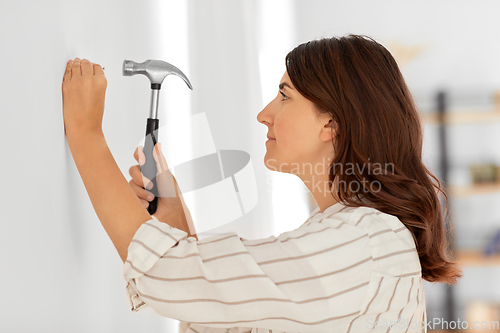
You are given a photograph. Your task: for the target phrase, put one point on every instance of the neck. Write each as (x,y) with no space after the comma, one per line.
(318,186)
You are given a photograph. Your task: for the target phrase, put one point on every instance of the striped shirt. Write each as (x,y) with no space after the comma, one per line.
(344,270)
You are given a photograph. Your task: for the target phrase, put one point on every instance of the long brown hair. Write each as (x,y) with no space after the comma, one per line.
(357,81)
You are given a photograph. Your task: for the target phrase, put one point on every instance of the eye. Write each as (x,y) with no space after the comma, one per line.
(285,97)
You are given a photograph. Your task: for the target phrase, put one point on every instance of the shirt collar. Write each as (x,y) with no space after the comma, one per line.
(332,209)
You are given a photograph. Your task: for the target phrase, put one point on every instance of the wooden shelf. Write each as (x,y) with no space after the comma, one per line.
(476,258)
(476,189)
(463,117)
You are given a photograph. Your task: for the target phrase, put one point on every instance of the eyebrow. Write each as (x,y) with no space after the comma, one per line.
(284,84)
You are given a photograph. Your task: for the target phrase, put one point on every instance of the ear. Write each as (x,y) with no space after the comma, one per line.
(329,130)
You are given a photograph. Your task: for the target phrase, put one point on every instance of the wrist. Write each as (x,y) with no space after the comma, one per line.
(83,139)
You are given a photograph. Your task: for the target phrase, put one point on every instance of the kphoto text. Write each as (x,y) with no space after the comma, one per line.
(434,324)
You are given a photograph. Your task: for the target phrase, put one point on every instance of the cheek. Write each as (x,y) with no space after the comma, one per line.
(285,131)
(292,133)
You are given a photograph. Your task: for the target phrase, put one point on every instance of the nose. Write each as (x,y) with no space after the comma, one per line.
(265,116)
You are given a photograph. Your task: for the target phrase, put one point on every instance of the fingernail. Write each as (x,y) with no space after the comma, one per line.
(149,186)
(145,204)
(150,197)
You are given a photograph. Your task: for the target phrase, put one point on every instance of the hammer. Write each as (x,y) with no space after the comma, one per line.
(156,71)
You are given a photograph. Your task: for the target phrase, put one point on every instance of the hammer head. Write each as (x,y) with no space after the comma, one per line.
(155,70)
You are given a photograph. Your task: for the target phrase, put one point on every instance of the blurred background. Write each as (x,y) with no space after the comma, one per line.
(59,270)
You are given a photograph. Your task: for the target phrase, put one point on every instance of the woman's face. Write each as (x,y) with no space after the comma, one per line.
(301,137)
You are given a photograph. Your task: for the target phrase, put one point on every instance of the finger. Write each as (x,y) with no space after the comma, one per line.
(86,67)
(144,203)
(138,178)
(166,181)
(67,73)
(141,192)
(161,162)
(98,70)
(139,155)
(75,68)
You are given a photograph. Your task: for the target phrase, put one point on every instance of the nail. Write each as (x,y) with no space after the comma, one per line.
(150,197)
(150,185)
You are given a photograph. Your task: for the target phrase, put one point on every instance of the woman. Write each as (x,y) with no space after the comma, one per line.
(357,264)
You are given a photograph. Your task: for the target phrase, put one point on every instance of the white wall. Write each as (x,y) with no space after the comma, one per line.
(224,60)
(458,36)
(59,270)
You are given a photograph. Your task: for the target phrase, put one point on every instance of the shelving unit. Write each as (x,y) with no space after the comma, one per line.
(469,117)
(465,257)
(466,117)
(476,189)
(476,258)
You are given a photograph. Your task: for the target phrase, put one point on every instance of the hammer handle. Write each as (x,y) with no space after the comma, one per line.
(148,169)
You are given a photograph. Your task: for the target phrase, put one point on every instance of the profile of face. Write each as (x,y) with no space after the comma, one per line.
(302,135)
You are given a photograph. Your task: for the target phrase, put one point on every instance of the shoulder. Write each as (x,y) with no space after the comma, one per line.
(377,224)
(368,219)
(393,248)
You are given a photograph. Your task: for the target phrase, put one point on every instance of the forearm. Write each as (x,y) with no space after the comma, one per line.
(115,203)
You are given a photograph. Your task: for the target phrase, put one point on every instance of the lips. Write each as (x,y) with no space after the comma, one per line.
(270,138)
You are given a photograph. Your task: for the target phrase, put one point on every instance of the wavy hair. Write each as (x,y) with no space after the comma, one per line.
(357,81)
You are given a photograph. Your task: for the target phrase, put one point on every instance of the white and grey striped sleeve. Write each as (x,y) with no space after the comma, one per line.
(310,279)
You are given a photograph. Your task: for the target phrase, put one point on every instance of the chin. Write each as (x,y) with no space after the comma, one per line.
(271,163)
(274,165)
